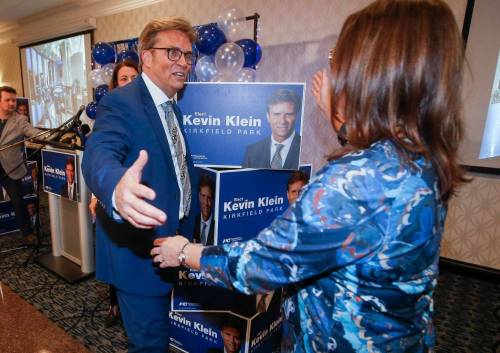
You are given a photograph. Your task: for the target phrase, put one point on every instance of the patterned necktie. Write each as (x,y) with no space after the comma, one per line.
(180,155)
(277,162)
(203,231)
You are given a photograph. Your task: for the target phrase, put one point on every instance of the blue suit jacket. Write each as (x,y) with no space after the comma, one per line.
(258,155)
(127,121)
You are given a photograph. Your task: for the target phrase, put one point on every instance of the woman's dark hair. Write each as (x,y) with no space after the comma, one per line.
(114,77)
(398,65)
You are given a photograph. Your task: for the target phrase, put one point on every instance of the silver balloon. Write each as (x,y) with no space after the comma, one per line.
(246,75)
(229,58)
(231,23)
(96,78)
(107,71)
(205,69)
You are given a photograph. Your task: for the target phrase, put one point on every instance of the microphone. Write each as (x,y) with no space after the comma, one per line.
(75,120)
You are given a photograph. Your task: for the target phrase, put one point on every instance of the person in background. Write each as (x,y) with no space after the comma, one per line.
(123,73)
(138,164)
(358,252)
(14,127)
(295,183)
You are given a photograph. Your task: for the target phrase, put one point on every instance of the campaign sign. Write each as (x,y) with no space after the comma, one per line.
(8,221)
(242,116)
(59,174)
(30,180)
(239,203)
(193,293)
(224,332)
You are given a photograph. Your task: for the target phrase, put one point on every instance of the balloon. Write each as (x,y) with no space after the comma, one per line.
(246,75)
(103,53)
(91,110)
(252,50)
(231,23)
(107,72)
(210,38)
(130,55)
(205,69)
(96,78)
(229,57)
(224,76)
(100,92)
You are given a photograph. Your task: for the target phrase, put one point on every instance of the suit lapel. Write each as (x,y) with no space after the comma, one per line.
(151,114)
(292,159)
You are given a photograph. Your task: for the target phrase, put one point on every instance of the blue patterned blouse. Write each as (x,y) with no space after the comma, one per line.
(357,254)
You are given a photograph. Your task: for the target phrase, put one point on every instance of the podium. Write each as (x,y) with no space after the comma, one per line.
(72,256)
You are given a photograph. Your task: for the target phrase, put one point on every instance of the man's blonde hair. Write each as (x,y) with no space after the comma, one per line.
(148,35)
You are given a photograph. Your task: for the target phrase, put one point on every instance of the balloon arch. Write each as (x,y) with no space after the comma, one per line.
(224,55)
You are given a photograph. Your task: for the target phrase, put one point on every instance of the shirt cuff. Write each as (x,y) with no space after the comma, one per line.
(116,215)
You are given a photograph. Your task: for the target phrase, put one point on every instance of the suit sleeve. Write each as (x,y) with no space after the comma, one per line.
(26,127)
(107,149)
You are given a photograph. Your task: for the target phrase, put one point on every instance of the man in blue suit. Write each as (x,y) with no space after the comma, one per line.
(281,150)
(138,164)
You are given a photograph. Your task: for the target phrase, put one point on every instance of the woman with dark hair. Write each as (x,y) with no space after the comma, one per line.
(358,252)
(123,73)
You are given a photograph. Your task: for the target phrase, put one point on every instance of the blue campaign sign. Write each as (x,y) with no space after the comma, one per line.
(59,174)
(8,221)
(222,120)
(190,331)
(249,200)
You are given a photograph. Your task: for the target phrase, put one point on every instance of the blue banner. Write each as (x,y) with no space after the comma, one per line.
(8,221)
(222,120)
(60,176)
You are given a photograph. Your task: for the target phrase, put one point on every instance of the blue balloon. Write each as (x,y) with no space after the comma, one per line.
(129,55)
(100,92)
(103,53)
(252,50)
(210,38)
(91,110)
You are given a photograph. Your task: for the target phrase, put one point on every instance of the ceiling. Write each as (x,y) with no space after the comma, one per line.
(30,16)
(13,11)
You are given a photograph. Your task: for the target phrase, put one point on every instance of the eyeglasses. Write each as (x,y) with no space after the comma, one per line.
(174,54)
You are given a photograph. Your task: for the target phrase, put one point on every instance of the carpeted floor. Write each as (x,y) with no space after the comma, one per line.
(467,307)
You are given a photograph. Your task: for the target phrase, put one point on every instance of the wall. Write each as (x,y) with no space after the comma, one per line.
(296,36)
(10,67)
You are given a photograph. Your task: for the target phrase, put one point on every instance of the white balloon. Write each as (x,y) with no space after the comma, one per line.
(224,77)
(205,69)
(229,58)
(246,75)
(231,23)
(96,78)
(107,71)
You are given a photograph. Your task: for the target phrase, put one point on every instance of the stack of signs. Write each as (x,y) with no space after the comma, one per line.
(235,205)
